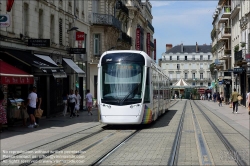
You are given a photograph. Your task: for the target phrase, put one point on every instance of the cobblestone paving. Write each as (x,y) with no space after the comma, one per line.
(188,153)
(153,145)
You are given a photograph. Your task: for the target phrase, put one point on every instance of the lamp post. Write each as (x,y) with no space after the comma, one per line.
(215,80)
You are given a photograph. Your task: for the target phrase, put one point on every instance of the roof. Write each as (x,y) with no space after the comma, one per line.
(181,82)
(190,49)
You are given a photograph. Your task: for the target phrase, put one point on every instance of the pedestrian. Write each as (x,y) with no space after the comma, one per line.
(38,105)
(32,99)
(175,96)
(214,97)
(219,99)
(222,96)
(3,118)
(65,102)
(234,100)
(72,103)
(23,112)
(208,96)
(181,96)
(89,100)
(77,107)
(248,101)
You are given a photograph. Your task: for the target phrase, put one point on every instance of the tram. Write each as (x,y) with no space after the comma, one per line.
(132,88)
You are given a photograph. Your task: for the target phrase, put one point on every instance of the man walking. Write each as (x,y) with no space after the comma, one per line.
(234,100)
(32,99)
(77,107)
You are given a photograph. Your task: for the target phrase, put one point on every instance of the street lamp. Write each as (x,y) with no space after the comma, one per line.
(72,29)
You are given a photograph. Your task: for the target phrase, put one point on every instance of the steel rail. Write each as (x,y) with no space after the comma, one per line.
(227,144)
(176,146)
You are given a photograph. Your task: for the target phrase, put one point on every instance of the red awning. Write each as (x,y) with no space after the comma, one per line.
(12,75)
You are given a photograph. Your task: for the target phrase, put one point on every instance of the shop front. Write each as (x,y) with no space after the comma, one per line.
(14,83)
(49,77)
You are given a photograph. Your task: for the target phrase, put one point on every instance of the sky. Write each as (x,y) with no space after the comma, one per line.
(186,22)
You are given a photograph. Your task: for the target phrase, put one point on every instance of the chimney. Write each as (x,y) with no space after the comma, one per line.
(182,49)
(168,47)
(196,47)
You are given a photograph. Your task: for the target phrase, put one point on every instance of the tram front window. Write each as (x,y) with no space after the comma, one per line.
(121,83)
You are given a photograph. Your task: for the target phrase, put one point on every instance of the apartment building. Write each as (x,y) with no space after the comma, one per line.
(189,62)
(230,47)
(118,25)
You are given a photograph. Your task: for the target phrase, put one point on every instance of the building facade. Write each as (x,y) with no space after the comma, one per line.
(65,61)
(230,47)
(36,38)
(189,62)
(117,25)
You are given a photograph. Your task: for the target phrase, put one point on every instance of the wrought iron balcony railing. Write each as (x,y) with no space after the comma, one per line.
(150,26)
(121,6)
(152,44)
(106,19)
(124,37)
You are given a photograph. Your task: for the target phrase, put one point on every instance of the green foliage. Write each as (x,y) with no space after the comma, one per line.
(236,48)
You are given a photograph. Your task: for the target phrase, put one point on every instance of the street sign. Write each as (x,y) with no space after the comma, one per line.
(77,51)
(39,42)
(4,20)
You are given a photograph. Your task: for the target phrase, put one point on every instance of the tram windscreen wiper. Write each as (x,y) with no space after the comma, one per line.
(132,91)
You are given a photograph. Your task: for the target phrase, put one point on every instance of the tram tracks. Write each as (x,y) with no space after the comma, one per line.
(232,151)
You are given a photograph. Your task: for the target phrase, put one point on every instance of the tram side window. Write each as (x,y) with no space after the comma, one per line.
(147,88)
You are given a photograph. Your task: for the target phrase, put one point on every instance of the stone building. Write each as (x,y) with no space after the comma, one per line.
(188,62)
(230,36)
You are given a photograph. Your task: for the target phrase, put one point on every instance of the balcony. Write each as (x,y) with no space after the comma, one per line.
(105,19)
(235,10)
(225,34)
(123,8)
(152,44)
(150,26)
(123,37)
(224,14)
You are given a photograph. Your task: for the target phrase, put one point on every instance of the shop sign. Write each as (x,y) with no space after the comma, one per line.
(154,49)
(79,36)
(77,51)
(4,20)
(39,42)
(226,82)
(247,57)
(201,91)
(148,44)
(238,70)
(138,42)
(16,80)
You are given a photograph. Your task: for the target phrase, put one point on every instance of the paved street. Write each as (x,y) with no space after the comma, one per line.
(150,145)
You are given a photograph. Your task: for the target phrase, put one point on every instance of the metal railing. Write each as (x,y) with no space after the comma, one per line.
(150,26)
(106,19)
(124,37)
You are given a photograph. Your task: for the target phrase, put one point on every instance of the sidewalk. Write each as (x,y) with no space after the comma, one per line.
(24,138)
(239,121)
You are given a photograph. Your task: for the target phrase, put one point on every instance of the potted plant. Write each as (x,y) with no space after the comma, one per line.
(236,48)
(243,45)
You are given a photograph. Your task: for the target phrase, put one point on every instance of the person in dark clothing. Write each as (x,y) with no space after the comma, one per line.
(219,99)
(214,96)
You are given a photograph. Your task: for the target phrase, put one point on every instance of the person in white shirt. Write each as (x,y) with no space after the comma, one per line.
(89,102)
(77,107)
(72,102)
(32,99)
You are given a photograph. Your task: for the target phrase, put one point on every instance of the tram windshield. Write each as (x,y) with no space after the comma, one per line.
(121,83)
